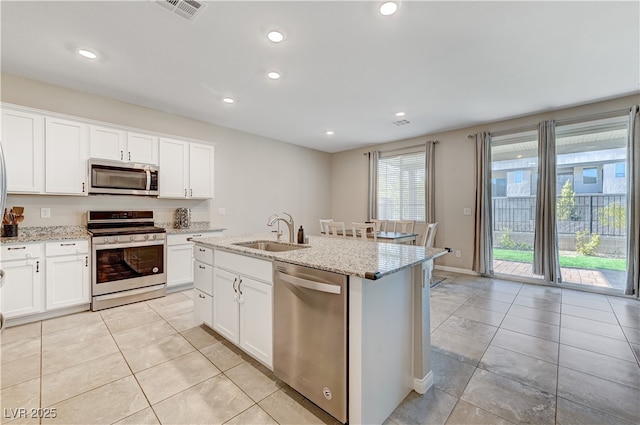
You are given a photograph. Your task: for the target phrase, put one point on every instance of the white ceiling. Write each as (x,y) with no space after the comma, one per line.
(344,66)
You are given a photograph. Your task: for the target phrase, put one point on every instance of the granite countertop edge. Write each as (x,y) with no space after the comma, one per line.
(369,260)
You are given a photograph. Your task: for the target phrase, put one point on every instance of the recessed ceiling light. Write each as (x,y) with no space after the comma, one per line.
(388,8)
(329,132)
(400,114)
(275,36)
(273,75)
(87,54)
(228,100)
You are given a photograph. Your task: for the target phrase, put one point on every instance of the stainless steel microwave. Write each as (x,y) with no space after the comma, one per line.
(121,178)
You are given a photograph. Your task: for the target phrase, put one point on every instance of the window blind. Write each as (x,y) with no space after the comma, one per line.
(401,186)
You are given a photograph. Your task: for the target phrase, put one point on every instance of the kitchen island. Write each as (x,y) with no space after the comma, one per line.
(388,312)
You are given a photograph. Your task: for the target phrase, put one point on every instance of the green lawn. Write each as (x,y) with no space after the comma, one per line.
(579,262)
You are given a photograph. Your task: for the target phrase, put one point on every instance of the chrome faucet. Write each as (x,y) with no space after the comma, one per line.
(275,219)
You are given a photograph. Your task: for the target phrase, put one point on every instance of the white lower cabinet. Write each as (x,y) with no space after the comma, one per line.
(22,291)
(180,257)
(203,284)
(67,274)
(243,303)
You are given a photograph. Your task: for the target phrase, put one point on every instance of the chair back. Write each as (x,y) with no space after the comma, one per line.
(379,225)
(323,225)
(429,236)
(336,228)
(404,226)
(360,231)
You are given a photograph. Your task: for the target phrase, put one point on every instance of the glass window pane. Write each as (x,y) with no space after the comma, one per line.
(401,186)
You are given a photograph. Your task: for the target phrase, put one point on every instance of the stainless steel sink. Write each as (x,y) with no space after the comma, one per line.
(271,246)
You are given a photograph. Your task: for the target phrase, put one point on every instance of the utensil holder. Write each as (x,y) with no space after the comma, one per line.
(9,230)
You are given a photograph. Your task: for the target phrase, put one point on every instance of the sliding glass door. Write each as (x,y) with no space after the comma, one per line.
(514,165)
(591,202)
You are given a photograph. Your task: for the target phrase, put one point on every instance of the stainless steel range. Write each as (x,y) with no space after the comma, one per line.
(128,257)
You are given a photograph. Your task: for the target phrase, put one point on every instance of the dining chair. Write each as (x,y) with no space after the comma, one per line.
(404,226)
(335,227)
(323,225)
(380,225)
(362,229)
(429,235)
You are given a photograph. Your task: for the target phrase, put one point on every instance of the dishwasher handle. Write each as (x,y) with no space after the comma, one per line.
(310,284)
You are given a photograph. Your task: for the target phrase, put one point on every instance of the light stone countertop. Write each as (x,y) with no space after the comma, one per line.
(47,234)
(370,260)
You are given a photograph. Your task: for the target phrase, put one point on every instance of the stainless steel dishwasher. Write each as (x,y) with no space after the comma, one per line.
(310,317)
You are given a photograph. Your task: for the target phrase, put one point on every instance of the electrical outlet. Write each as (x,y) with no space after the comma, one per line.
(466,211)
(222,211)
(458,253)
(45,212)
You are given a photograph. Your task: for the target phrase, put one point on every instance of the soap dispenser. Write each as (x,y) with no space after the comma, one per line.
(300,235)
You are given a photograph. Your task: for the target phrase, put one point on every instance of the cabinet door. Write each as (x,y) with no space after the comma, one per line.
(225,304)
(142,148)
(66,157)
(106,143)
(22,290)
(179,264)
(203,307)
(23,147)
(174,165)
(201,161)
(256,328)
(67,281)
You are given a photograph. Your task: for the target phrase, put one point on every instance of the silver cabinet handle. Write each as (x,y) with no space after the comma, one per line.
(202,267)
(129,156)
(199,249)
(68,244)
(37,266)
(239,289)
(234,285)
(82,187)
(121,156)
(185,192)
(191,192)
(20,247)
(1,276)
(201,296)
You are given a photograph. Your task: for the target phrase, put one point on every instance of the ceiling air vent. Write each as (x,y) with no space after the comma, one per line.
(401,122)
(188,9)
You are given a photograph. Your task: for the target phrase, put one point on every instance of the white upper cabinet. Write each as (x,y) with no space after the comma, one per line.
(186,170)
(200,171)
(67,151)
(119,145)
(174,165)
(23,146)
(142,148)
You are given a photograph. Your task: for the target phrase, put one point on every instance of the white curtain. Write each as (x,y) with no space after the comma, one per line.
(633,207)
(483,232)
(429,184)
(372,210)
(545,243)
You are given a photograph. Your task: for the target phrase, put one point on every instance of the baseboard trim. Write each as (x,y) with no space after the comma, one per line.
(456,270)
(421,386)
(22,320)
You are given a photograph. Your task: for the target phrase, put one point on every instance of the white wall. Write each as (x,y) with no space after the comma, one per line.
(454,171)
(254,176)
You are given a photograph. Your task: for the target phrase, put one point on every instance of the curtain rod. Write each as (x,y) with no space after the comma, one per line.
(564,121)
(406,147)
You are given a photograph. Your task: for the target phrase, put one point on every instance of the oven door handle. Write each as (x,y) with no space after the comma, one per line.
(117,245)
(148,179)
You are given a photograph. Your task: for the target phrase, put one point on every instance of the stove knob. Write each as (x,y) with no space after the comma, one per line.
(106,240)
(154,236)
(116,239)
(133,238)
(146,237)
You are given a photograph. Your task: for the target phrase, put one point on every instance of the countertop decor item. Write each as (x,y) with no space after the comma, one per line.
(182,218)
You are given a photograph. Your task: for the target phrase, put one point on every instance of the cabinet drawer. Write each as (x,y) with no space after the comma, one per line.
(203,277)
(20,251)
(203,254)
(203,307)
(247,266)
(180,239)
(66,248)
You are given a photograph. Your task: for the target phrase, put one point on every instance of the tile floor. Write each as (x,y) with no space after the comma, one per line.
(503,353)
